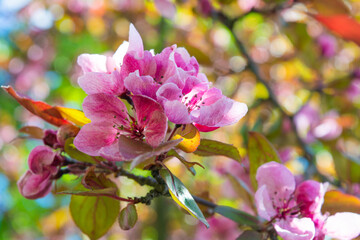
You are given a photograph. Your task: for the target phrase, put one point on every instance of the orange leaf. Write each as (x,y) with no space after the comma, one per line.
(41,109)
(336,201)
(343,25)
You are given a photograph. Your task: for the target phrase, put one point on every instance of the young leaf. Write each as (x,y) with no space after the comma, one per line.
(238,216)
(40,109)
(336,201)
(209,147)
(326,7)
(188,165)
(66,131)
(71,150)
(94,215)
(260,151)
(182,196)
(343,25)
(73,115)
(34,132)
(128,217)
(190,135)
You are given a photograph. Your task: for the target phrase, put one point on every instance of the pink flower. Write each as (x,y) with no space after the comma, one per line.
(328,45)
(296,212)
(166,8)
(43,165)
(110,119)
(199,104)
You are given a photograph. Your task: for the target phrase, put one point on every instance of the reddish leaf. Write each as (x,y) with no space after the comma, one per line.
(41,109)
(34,132)
(343,25)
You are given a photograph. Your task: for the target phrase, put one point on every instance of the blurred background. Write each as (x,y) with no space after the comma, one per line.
(313,73)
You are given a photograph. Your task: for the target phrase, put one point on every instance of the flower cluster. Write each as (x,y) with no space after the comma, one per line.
(295,211)
(161,87)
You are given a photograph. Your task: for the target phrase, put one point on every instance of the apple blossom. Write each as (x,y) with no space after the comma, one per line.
(43,166)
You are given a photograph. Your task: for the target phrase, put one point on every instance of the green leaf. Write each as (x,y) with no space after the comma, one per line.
(209,147)
(97,192)
(71,150)
(128,217)
(347,169)
(94,215)
(182,196)
(260,151)
(188,165)
(250,235)
(238,216)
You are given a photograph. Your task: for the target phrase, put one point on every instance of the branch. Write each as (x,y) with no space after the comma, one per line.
(256,70)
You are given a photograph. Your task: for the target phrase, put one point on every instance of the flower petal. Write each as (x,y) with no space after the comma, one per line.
(94,82)
(151,115)
(40,159)
(120,53)
(92,63)
(105,108)
(135,43)
(33,186)
(279,181)
(295,229)
(177,112)
(264,203)
(141,85)
(93,136)
(345,225)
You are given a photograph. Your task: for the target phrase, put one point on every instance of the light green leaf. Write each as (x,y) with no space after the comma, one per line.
(182,196)
(209,147)
(94,215)
(260,151)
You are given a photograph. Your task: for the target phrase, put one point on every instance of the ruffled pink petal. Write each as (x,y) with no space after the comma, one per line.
(203,128)
(93,136)
(136,46)
(94,82)
(264,204)
(279,182)
(345,225)
(177,112)
(145,65)
(221,113)
(105,108)
(151,115)
(310,195)
(33,186)
(295,229)
(184,61)
(92,63)
(141,85)
(165,68)
(40,159)
(169,92)
(166,8)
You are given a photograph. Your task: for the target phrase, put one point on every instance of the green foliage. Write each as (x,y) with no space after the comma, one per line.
(71,150)
(94,215)
(260,151)
(209,147)
(182,196)
(238,216)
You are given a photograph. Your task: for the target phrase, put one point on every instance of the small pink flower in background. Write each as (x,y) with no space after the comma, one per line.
(220,228)
(353,91)
(328,45)
(166,8)
(204,7)
(110,119)
(312,126)
(43,166)
(296,211)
